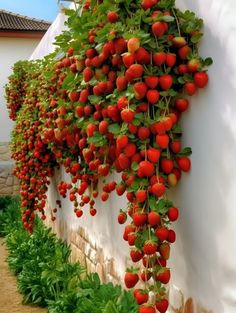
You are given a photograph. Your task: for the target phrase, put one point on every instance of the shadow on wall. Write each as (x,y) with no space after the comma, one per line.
(204,257)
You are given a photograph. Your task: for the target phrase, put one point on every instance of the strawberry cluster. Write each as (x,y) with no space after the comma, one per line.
(111,100)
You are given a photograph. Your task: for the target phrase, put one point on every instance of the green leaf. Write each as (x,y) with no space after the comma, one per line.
(114,129)
(208,62)
(94,99)
(185,152)
(98,139)
(134,166)
(152,203)
(163,206)
(110,308)
(167,18)
(196,38)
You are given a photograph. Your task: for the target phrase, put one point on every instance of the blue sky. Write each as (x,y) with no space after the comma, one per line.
(42,9)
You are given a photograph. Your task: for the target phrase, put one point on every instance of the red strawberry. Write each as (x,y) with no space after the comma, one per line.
(141,195)
(112,17)
(167,166)
(140,296)
(162,140)
(164,277)
(120,45)
(173,214)
(159,58)
(74,96)
(158,189)
(103,170)
(151,81)
(142,56)
(190,88)
(147,309)
(133,44)
(181,104)
(200,79)
(153,155)
(139,219)
(143,133)
(122,217)
(182,69)
(149,247)
(87,74)
(162,233)
(183,52)
(152,96)
(121,83)
(122,103)
(145,275)
(166,81)
(124,161)
(184,163)
(131,279)
(120,189)
(179,42)
(140,90)
(171,236)
(103,127)
(146,168)
(153,218)
(122,141)
(158,29)
(132,237)
(137,70)
(128,59)
(148,4)
(128,229)
(164,250)
(170,59)
(127,115)
(175,146)
(162,305)
(136,255)
(193,65)
(104,196)
(130,150)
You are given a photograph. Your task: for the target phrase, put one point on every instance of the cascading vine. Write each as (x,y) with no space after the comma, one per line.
(110,99)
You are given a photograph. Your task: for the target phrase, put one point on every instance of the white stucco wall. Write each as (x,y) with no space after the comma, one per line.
(204,256)
(11,51)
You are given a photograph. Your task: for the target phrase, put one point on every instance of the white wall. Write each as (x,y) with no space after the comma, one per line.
(11,50)
(204,257)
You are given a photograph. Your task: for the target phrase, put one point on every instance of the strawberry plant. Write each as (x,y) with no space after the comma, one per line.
(111,99)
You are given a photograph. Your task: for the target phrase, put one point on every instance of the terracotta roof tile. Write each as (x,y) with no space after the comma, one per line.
(11,21)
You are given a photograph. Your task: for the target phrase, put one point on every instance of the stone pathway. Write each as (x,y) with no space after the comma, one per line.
(10,299)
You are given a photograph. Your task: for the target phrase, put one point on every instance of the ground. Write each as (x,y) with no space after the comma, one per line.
(10,299)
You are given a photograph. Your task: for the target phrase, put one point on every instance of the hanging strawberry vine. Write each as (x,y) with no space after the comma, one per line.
(110,99)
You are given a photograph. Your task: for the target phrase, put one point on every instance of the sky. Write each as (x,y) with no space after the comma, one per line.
(41,9)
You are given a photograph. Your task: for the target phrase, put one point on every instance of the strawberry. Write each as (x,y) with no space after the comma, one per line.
(140,296)
(164,277)
(175,146)
(179,42)
(173,214)
(162,140)
(124,161)
(158,189)
(164,250)
(90,129)
(184,163)
(104,196)
(120,45)
(182,69)
(140,90)
(122,103)
(153,218)
(128,59)
(87,74)
(103,127)
(190,88)
(181,104)
(139,219)
(162,305)
(103,169)
(200,79)
(142,56)
(132,237)
(127,115)
(74,96)
(120,189)
(112,17)
(143,133)
(158,29)
(146,168)
(162,233)
(131,279)
(133,44)
(128,229)
(166,81)
(130,150)
(137,70)
(171,236)
(172,180)
(141,195)
(170,59)
(148,4)
(193,65)
(149,247)
(167,166)
(183,52)
(152,96)
(136,255)
(159,58)
(122,217)
(121,83)
(147,309)
(151,81)
(145,275)
(153,155)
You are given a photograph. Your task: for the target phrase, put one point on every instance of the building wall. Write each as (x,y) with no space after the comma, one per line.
(11,51)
